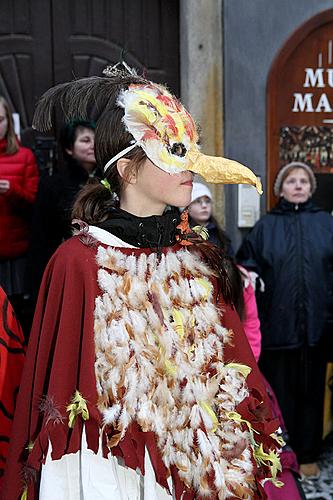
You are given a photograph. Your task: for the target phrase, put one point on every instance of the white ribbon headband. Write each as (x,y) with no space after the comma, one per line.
(120,155)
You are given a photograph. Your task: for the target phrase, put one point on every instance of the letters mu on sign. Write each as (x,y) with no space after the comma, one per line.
(316,78)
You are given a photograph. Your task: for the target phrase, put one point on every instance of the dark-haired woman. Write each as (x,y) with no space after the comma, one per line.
(52,215)
(138,382)
(18,188)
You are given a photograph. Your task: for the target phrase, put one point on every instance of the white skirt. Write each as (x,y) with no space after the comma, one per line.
(86,476)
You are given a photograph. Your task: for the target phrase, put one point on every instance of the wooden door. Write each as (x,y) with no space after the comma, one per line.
(88,35)
(25,54)
(45,42)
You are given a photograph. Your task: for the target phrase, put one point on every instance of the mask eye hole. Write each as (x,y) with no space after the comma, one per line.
(178,149)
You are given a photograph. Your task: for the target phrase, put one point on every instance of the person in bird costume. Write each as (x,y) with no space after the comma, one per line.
(139,381)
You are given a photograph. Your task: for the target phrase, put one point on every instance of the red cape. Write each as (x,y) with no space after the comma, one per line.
(60,359)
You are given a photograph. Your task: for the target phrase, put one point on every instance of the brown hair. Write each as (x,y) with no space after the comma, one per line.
(12,145)
(95,202)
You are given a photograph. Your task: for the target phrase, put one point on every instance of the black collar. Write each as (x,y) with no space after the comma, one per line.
(285,206)
(156,231)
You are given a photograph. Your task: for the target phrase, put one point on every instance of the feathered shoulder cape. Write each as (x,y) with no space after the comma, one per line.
(137,343)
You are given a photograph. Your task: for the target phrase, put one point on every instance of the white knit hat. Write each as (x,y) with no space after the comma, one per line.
(199,190)
(282,174)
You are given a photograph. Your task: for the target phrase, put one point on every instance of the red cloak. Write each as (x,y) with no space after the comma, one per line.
(60,359)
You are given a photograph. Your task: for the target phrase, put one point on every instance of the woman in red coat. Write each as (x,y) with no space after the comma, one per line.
(18,189)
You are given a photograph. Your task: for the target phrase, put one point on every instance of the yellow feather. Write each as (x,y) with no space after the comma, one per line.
(206,285)
(178,322)
(161,108)
(208,409)
(170,368)
(201,231)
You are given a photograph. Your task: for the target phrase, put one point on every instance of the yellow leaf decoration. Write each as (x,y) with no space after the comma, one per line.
(236,417)
(243,369)
(208,409)
(77,406)
(276,482)
(24,495)
(201,231)
(179,324)
(30,446)
(279,439)
(271,460)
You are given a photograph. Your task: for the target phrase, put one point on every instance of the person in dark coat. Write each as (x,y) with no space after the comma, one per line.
(52,216)
(291,248)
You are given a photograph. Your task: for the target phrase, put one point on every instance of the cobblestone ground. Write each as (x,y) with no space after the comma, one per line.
(322,488)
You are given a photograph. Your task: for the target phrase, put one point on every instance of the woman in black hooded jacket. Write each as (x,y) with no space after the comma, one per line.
(291,248)
(52,220)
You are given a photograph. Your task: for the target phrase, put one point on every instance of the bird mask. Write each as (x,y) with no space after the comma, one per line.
(166,132)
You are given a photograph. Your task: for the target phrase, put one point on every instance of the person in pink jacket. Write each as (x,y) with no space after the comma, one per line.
(251,323)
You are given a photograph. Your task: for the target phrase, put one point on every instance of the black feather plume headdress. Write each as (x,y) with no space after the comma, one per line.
(80,98)
(93,98)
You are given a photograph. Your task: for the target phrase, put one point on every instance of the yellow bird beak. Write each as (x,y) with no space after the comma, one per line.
(221,170)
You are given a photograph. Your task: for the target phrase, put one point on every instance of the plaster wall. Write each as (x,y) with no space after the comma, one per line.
(201,77)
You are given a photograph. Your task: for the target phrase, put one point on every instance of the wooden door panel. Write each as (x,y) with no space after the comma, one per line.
(25,54)
(45,42)
(19,93)
(89,35)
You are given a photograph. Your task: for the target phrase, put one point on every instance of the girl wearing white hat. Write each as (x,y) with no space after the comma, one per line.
(201,214)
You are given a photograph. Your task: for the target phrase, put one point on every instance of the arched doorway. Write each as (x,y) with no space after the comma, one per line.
(300,105)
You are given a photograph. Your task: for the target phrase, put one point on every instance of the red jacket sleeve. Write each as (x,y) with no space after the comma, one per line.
(26,192)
